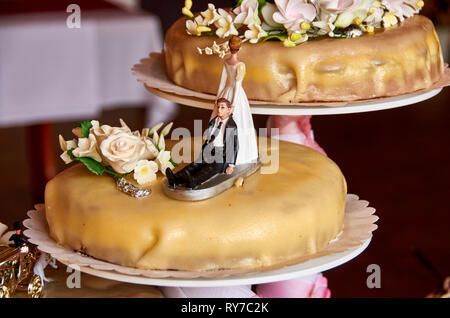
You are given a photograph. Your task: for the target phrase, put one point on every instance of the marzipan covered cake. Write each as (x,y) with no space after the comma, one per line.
(270,219)
(307,51)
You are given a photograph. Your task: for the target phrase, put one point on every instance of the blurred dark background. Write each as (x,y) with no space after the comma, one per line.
(398,160)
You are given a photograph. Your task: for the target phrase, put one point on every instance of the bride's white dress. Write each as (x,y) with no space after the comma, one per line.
(231,88)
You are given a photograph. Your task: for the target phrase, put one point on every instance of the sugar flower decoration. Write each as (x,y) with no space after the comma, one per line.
(295,21)
(210,15)
(87,147)
(336,6)
(293,12)
(196,26)
(375,16)
(254,33)
(65,146)
(187,8)
(400,9)
(247,13)
(163,161)
(208,51)
(267,13)
(145,171)
(225,25)
(389,19)
(122,151)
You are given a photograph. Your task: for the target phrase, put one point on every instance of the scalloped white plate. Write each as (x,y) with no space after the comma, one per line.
(359,223)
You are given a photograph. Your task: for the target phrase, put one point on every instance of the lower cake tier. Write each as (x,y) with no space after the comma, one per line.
(390,62)
(272,219)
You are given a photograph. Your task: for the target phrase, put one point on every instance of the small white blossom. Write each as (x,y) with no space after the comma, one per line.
(225,25)
(210,15)
(216,48)
(208,51)
(254,33)
(145,171)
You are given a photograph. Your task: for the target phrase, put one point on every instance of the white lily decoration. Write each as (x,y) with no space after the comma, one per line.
(161,143)
(402,8)
(155,129)
(163,161)
(292,13)
(356,12)
(247,13)
(210,15)
(375,17)
(254,33)
(225,25)
(267,12)
(196,26)
(166,129)
(155,138)
(390,19)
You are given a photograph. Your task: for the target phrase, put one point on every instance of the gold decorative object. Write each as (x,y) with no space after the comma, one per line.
(16,271)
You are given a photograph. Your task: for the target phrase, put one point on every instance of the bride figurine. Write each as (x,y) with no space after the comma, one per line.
(230,88)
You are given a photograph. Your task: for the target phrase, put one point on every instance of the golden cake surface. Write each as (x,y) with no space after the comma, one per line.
(389,62)
(272,219)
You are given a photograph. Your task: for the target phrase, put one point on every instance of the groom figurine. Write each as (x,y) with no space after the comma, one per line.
(219,151)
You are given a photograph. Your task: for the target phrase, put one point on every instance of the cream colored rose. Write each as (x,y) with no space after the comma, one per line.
(123,150)
(104,131)
(87,147)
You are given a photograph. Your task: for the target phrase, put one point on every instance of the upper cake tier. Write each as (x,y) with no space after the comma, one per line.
(389,62)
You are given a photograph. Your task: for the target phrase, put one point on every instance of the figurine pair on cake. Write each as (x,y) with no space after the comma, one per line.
(231,137)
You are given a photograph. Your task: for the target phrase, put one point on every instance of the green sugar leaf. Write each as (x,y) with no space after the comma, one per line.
(85,127)
(173,162)
(91,164)
(280,37)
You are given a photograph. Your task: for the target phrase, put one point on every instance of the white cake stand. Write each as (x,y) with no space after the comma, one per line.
(151,72)
(293,110)
(307,268)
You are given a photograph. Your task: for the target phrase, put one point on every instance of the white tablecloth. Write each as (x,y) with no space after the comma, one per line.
(49,72)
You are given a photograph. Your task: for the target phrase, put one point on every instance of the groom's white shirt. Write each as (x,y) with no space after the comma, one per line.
(218,141)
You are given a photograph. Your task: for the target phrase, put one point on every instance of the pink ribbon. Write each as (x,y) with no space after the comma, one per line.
(296,129)
(314,286)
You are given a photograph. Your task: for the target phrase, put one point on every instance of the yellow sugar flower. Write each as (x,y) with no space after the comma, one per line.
(187,9)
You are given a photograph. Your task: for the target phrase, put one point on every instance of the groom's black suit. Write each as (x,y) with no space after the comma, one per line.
(214,159)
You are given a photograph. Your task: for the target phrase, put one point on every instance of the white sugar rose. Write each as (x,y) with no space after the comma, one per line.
(87,147)
(104,131)
(145,171)
(123,150)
